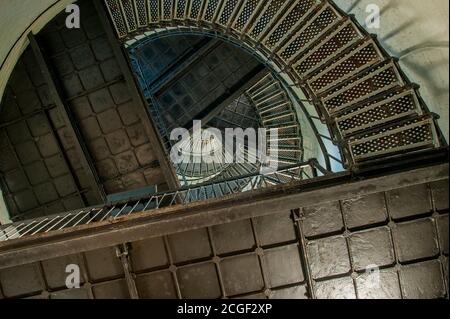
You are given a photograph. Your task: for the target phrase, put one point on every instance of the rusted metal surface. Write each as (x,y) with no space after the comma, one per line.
(203,214)
(319,244)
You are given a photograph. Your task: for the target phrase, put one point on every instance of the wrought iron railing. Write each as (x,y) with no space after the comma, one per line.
(203,192)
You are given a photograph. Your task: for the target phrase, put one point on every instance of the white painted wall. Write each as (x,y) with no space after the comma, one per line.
(4,216)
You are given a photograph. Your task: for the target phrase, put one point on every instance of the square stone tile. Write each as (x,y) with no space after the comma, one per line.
(120,93)
(8,161)
(79,293)
(296,292)
(155,176)
(109,121)
(81,107)
(328,257)
(199,281)
(73,37)
(16,181)
(157,285)
(73,203)
(25,200)
(340,288)
(416,240)
(90,128)
(409,201)
(116,289)
(134,180)
(102,49)
(378,285)
(37,173)
(111,70)
(232,237)
(442,222)
(371,247)
(56,166)
(38,125)
(126,162)
(145,154)
(440,195)
(148,254)
(422,281)
(114,186)
(21,280)
(275,228)
(64,185)
(46,193)
(189,245)
(28,152)
(128,113)
(91,77)
(118,142)
(28,101)
(47,145)
(71,85)
(99,149)
(364,210)
(137,134)
(101,100)
(241,274)
(322,219)
(103,263)
(62,64)
(284,265)
(82,56)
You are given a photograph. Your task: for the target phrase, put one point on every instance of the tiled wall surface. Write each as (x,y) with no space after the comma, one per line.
(326,251)
(36,177)
(101,102)
(34,138)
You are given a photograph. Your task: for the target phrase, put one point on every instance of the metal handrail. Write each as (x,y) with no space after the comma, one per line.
(181,196)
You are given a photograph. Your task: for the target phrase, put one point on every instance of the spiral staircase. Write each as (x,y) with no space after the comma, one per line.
(370,107)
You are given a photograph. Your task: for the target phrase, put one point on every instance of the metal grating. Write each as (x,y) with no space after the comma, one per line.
(154,9)
(330,47)
(293,18)
(362,57)
(246,13)
(377,80)
(266,18)
(142,16)
(130,16)
(227,12)
(386,109)
(413,135)
(117,17)
(195,9)
(211,8)
(181,9)
(167,7)
(324,20)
